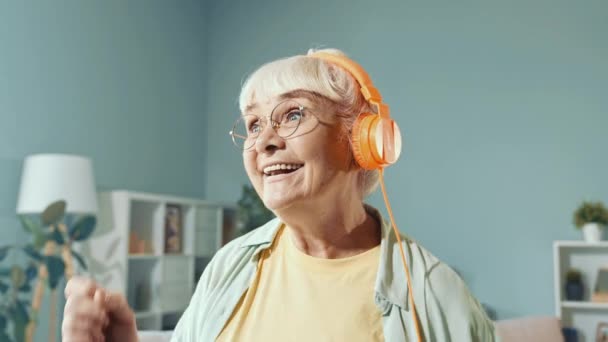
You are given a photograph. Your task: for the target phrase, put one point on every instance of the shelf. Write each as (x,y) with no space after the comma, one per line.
(146,314)
(584,305)
(588,258)
(143,282)
(580,244)
(143,256)
(156,248)
(177,255)
(146,222)
(154,313)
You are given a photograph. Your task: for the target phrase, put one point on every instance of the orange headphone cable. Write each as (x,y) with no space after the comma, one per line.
(407,272)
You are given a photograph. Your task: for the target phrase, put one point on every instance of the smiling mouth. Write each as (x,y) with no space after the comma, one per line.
(281,169)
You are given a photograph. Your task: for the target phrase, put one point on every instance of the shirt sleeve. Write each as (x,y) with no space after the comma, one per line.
(452,312)
(185,328)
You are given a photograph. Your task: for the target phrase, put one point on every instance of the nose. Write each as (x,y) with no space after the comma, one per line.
(269,140)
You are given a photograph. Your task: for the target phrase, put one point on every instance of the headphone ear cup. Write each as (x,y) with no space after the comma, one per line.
(376,142)
(360,137)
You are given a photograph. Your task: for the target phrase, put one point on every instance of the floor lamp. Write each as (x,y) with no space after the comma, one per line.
(47,178)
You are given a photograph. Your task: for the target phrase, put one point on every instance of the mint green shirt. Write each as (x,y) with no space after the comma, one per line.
(446,309)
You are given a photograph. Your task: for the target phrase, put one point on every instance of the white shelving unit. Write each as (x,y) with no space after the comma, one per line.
(128,251)
(588,258)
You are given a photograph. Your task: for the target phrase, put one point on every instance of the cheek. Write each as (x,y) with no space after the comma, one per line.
(337,156)
(250,164)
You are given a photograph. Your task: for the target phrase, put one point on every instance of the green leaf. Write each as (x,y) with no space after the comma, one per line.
(57,237)
(25,288)
(31,272)
(53,213)
(2,324)
(29,225)
(3,287)
(5,272)
(4,252)
(83,228)
(17,276)
(39,240)
(80,260)
(22,314)
(4,337)
(33,253)
(56,268)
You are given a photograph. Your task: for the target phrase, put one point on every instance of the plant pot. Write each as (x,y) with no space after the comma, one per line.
(592,232)
(575,291)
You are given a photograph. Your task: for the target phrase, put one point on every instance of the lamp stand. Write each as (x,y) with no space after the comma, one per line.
(43,274)
(66,254)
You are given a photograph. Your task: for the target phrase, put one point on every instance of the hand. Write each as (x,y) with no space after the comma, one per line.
(91,314)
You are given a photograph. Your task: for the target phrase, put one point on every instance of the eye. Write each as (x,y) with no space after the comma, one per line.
(253,127)
(293,116)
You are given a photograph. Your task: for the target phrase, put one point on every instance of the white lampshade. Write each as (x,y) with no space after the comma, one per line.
(47,178)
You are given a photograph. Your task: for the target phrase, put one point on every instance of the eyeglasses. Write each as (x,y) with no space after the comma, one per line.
(287,118)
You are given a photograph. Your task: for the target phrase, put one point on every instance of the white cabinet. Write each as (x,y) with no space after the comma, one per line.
(588,258)
(153,248)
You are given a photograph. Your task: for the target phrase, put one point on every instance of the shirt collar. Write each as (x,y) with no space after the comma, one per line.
(391,283)
(262,237)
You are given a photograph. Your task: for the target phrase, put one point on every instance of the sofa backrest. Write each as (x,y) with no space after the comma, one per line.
(530,329)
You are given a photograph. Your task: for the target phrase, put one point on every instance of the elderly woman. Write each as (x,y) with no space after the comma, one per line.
(329,267)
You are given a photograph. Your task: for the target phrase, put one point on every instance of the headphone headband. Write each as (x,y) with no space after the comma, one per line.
(370,93)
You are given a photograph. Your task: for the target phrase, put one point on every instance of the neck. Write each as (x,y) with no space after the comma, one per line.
(336,226)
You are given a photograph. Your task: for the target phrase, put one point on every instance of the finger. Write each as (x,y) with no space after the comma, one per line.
(80,286)
(84,307)
(74,336)
(97,336)
(99,298)
(117,306)
(79,329)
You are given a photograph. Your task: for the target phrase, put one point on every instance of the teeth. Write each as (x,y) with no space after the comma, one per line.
(275,167)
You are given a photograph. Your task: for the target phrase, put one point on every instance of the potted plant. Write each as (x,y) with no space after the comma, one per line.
(592,218)
(51,256)
(574,285)
(252,212)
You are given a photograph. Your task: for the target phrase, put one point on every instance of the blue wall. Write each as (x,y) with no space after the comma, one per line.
(120,81)
(504,109)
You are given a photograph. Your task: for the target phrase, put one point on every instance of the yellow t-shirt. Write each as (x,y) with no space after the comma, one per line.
(296,297)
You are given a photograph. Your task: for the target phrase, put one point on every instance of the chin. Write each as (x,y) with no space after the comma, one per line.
(276,202)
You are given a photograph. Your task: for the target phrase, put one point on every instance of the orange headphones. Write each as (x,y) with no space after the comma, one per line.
(376,138)
(376,142)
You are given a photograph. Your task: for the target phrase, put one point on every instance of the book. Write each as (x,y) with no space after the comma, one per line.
(173,229)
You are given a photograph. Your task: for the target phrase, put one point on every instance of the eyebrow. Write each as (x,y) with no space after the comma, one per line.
(294,94)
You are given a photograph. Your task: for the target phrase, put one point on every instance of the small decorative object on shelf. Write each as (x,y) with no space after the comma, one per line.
(600,294)
(602,332)
(570,334)
(173,229)
(574,285)
(138,245)
(592,218)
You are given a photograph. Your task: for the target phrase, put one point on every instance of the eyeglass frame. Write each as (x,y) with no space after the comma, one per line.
(273,123)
